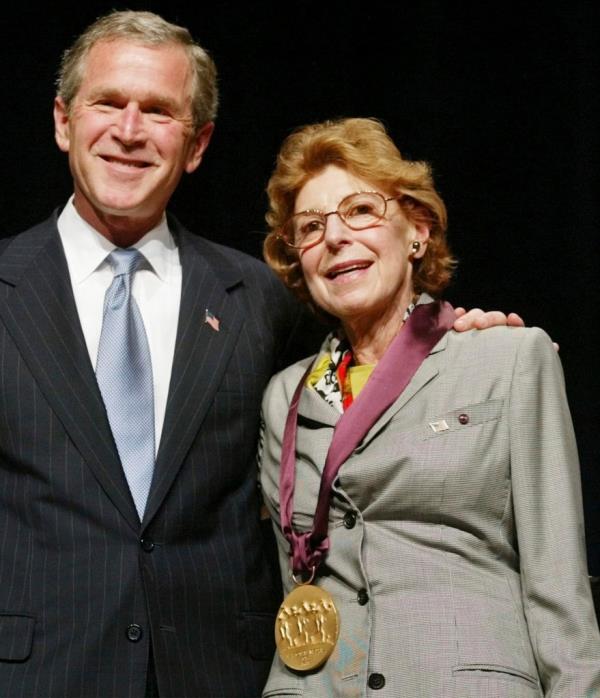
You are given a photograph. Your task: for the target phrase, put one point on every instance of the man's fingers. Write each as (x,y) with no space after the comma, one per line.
(515,320)
(466,321)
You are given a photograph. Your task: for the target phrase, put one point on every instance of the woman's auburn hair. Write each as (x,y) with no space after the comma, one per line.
(363,147)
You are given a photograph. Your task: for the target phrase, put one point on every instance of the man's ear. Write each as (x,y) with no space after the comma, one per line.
(61,124)
(200,144)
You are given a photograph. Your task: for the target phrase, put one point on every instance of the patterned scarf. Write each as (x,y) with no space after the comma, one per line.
(329,376)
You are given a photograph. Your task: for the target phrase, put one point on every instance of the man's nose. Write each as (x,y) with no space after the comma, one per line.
(130,124)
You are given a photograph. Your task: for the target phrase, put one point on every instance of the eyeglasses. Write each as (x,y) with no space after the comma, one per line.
(358,211)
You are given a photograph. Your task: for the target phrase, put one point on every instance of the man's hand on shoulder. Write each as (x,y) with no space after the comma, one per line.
(477,319)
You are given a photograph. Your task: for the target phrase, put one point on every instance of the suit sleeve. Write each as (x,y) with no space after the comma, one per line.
(549,520)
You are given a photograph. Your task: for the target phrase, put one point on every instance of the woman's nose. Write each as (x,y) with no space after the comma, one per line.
(336,231)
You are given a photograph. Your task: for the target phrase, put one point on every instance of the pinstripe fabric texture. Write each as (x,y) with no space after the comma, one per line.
(457,558)
(77,568)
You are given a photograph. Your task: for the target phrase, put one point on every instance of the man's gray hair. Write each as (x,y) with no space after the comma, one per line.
(145,28)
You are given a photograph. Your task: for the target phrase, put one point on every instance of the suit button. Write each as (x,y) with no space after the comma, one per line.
(376,681)
(147,545)
(463,418)
(134,632)
(350,519)
(362,597)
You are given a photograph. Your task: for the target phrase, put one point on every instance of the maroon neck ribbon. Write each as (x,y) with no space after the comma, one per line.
(427,324)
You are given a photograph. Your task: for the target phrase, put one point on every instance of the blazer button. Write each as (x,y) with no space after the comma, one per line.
(376,681)
(463,418)
(350,519)
(147,545)
(134,632)
(362,597)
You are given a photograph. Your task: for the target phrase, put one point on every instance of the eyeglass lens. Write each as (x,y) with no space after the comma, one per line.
(358,211)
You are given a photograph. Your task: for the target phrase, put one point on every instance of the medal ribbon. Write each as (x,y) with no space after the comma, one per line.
(427,324)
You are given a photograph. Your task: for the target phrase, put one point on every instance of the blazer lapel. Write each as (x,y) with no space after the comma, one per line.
(426,372)
(39,312)
(313,408)
(202,353)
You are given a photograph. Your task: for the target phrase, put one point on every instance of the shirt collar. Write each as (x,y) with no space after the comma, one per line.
(86,249)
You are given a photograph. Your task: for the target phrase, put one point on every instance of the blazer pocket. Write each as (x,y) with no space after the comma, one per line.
(461,418)
(283,683)
(497,671)
(258,631)
(16,637)
(491,630)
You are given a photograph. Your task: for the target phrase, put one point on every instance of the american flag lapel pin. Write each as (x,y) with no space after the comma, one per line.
(211,320)
(437,427)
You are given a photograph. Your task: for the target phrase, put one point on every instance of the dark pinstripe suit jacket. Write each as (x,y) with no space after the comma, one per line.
(77,569)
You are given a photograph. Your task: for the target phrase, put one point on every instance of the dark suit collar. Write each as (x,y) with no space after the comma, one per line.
(40,314)
(201,352)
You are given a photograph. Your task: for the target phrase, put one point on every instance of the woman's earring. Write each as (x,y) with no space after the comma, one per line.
(415,247)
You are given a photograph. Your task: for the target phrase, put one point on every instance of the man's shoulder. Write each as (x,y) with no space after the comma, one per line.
(220,256)
(261,293)
(17,251)
(33,236)
(214,251)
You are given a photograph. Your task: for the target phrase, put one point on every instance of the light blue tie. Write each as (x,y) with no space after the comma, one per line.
(124,375)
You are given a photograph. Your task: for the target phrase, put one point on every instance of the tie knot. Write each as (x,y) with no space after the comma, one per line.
(125,261)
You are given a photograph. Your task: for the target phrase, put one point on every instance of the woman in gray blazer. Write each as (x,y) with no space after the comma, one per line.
(423,484)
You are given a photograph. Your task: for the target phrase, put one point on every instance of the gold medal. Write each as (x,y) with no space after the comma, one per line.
(307,628)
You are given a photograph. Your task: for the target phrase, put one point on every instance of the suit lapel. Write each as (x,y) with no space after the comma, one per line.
(201,356)
(40,313)
(312,407)
(426,372)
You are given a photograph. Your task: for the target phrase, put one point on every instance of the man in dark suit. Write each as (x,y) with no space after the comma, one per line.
(92,584)
(125,575)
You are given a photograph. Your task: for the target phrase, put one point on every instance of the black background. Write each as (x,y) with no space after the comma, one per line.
(502,100)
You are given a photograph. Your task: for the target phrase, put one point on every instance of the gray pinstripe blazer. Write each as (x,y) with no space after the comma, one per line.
(457,558)
(77,568)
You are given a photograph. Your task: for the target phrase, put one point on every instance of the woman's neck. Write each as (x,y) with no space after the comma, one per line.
(370,338)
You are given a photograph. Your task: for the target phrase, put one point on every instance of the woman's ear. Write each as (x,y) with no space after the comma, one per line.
(418,241)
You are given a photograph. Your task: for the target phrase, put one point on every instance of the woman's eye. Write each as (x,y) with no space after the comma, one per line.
(311,227)
(360,210)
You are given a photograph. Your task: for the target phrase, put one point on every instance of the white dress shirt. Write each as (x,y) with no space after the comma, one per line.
(157,293)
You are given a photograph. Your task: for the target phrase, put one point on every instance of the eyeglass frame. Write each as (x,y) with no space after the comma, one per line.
(325,215)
